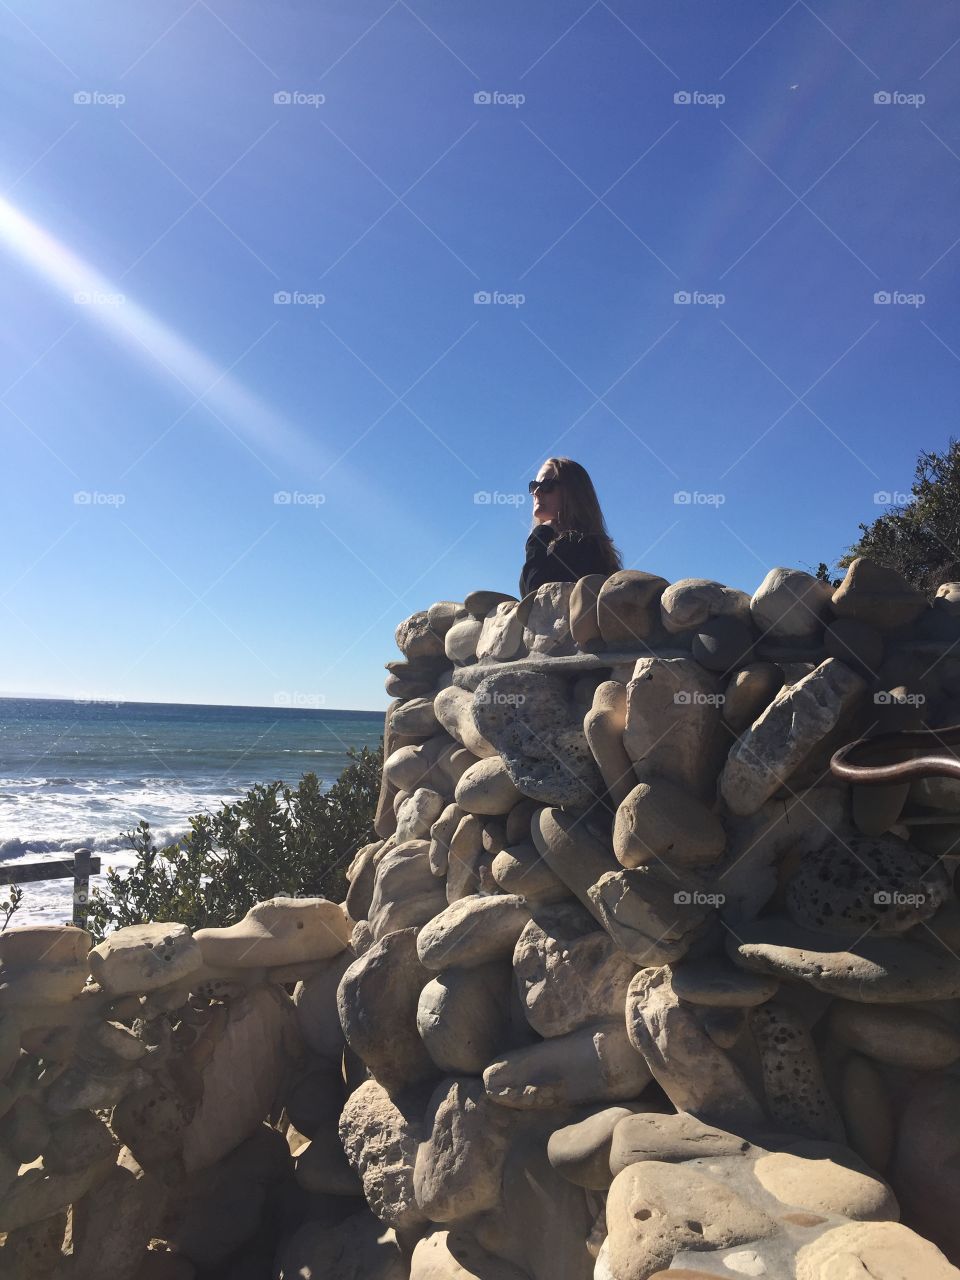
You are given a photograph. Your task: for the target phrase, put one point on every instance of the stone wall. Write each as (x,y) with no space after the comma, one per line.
(629,985)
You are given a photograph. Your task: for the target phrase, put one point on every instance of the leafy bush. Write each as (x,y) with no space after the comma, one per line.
(276,840)
(920,537)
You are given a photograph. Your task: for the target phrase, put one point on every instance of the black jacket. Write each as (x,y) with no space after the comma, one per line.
(573,556)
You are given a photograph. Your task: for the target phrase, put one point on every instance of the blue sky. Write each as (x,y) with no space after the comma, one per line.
(157,195)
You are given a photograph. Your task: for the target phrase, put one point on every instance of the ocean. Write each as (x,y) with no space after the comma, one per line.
(78,775)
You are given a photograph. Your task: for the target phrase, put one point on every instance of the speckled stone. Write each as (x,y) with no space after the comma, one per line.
(796,1094)
(878,883)
(531,721)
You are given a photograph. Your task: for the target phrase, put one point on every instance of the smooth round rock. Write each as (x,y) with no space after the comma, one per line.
(472,931)
(873,593)
(660,820)
(810,1176)
(479,603)
(790,605)
(581,1152)
(723,643)
(671,1137)
(716,983)
(902,1037)
(854,642)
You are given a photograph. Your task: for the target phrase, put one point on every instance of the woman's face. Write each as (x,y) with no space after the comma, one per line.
(546,506)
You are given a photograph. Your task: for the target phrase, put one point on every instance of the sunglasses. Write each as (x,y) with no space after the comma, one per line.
(545,486)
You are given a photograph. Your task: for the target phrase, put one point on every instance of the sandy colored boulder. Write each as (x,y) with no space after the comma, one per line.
(415,639)
(417,814)
(691,601)
(592,1064)
(261,1032)
(628,608)
(898,1035)
(603,725)
(143,957)
(670,1137)
(822,1178)
(654,1210)
(874,594)
(406,893)
(749,691)
(880,1250)
(416,718)
(521,870)
(464,860)
(672,728)
(569,973)
(441,834)
(659,820)
(547,622)
(487,788)
(791,605)
(454,711)
(461,640)
(377,1002)
(866,969)
(584,625)
(695,1075)
(765,757)
(472,931)
(501,636)
(45,964)
(456,1255)
(581,1151)
(278,931)
(381,1144)
(459,1164)
(463,1016)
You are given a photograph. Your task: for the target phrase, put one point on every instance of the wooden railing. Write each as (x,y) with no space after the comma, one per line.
(78,867)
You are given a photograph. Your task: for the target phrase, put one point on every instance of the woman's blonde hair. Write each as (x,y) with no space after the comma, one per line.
(580,510)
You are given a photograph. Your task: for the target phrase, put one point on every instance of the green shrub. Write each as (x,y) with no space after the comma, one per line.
(276,840)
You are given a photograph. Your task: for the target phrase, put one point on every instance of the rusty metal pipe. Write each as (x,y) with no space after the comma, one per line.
(932,765)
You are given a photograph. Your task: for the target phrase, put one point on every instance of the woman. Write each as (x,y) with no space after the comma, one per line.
(569,538)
